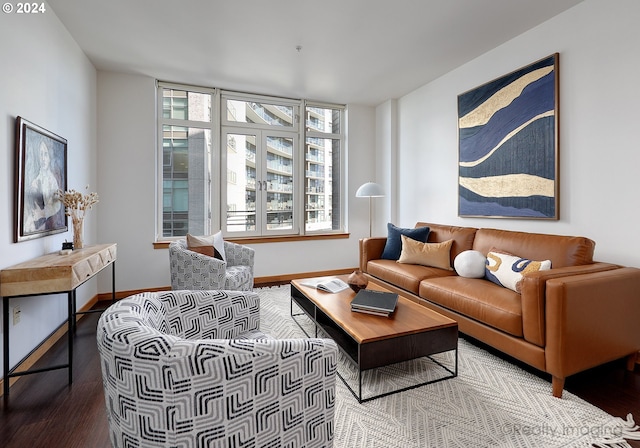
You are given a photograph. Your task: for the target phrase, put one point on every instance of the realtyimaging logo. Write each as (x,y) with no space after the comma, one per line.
(599,431)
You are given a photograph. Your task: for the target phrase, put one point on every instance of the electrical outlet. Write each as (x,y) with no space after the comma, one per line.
(16,315)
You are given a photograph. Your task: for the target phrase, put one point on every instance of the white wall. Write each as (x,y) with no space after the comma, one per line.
(47,80)
(386,164)
(127,162)
(126,157)
(599,152)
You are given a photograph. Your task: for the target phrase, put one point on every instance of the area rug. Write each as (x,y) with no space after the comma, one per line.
(491,403)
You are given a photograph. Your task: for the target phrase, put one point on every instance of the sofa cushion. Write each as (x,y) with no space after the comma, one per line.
(435,255)
(462,236)
(506,269)
(478,299)
(405,276)
(561,250)
(393,246)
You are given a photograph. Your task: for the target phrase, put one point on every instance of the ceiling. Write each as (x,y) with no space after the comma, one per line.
(352,51)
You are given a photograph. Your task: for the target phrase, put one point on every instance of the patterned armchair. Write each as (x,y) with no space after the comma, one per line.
(191,369)
(192,270)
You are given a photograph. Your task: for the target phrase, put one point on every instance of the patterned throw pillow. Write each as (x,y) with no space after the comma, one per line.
(393,246)
(506,270)
(435,255)
(212,245)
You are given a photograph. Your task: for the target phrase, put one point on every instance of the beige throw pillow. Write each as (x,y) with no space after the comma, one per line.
(436,255)
(206,245)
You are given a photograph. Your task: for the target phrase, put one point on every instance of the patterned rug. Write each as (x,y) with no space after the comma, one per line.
(491,403)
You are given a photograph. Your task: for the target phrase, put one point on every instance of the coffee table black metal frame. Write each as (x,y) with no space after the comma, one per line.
(382,352)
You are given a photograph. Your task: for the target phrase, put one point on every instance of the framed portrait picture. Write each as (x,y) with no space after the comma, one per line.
(40,171)
(508,145)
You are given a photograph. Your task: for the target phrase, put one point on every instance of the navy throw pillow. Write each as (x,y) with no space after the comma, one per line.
(393,247)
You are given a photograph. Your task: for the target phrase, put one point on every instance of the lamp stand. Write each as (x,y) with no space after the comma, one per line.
(370,190)
(370,216)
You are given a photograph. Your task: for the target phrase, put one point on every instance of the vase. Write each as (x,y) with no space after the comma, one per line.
(78,227)
(357,280)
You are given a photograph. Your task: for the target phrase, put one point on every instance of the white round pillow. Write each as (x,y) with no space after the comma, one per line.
(470,264)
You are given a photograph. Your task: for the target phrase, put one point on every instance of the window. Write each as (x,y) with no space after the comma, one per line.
(261,136)
(277,176)
(323,159)
(186,131)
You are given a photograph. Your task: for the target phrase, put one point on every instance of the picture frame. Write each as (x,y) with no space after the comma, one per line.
(40,171)
(508,145)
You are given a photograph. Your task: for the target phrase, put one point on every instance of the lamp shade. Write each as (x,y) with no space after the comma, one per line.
(369,190)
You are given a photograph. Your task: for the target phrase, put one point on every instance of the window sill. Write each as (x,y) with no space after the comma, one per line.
(271,239)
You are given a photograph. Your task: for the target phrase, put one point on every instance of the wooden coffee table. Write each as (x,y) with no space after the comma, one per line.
(413,331)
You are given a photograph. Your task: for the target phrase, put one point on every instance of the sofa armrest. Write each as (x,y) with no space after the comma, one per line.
(370,249)
(533,290)
(592,319)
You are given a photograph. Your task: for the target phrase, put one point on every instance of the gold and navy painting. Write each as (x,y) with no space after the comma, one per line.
(508,145)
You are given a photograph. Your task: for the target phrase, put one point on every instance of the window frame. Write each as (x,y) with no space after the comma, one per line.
(262,131)
(211,126)
(341,137)
(217,187)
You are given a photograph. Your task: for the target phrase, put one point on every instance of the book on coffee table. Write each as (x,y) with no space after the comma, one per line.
(332,285)
(374,302)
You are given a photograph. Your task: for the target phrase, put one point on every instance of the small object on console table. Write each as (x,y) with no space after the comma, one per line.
(67,248)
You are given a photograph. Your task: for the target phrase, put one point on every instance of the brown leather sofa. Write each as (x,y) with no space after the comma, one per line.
(577,315)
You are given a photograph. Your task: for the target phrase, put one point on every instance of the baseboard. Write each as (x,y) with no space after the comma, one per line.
(106,296)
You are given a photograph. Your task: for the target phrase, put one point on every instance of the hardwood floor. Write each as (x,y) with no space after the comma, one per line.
(43,411)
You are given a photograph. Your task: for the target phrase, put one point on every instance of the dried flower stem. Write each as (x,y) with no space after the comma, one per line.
(76,204)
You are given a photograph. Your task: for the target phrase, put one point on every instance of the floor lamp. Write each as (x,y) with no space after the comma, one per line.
(370,190)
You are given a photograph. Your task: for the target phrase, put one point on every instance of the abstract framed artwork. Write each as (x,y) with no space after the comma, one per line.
(40,171)
(508,145)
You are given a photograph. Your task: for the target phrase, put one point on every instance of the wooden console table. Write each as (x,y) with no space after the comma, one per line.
(52,274)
